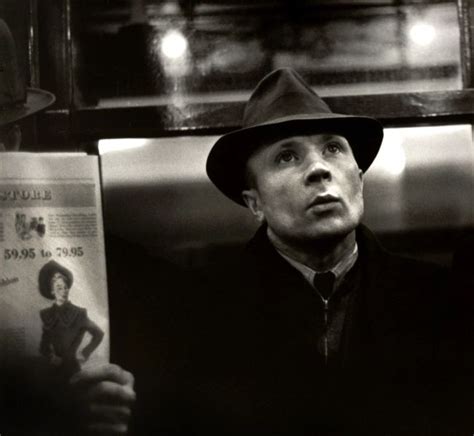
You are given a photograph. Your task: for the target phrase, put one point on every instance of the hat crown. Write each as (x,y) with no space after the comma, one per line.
(12,87)
(282,93)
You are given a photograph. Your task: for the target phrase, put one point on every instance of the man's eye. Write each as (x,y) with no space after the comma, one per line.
(286,156)
(333,147)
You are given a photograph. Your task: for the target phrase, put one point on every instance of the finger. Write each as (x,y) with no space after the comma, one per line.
(104,372)
(107,429)
(110,392)
(109,414)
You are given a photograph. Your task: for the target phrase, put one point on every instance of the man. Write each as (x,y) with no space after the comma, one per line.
(316,329)
(98,399)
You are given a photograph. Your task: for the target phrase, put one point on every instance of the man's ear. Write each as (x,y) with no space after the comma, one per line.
(252,200)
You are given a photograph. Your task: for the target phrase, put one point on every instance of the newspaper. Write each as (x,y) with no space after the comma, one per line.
(53,284)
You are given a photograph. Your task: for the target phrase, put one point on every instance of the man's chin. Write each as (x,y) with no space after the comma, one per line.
(331,236)
(329,233)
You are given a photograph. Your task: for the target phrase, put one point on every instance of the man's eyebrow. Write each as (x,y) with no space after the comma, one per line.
(333,136)
(287,142)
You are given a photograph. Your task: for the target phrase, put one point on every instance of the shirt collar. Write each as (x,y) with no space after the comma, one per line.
(339,270)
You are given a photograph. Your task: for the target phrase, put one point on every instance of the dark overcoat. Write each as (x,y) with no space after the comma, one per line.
(236,353)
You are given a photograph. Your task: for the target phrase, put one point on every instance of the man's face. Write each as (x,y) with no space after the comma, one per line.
(60,289)
(306,187)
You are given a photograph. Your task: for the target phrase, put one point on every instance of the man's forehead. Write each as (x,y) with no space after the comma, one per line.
(285,139)
(306,137)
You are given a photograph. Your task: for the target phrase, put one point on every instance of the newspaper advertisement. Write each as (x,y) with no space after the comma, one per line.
(53,289)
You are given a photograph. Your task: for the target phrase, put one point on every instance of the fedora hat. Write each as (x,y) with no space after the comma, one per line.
(281,104)
(16,101)
(46,274)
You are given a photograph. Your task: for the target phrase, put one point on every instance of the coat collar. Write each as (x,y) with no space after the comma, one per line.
(275,273)
(264,253)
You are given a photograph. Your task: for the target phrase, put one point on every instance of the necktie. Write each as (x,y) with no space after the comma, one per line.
(324,283)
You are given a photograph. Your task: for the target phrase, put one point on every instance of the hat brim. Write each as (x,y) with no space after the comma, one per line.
(36,100)
(227,159)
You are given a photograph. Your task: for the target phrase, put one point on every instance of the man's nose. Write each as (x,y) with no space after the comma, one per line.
(317,171)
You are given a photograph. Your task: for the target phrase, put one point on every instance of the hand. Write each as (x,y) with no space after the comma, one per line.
(104,395)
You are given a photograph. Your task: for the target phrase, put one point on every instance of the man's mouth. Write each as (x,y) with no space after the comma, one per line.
(323,202)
